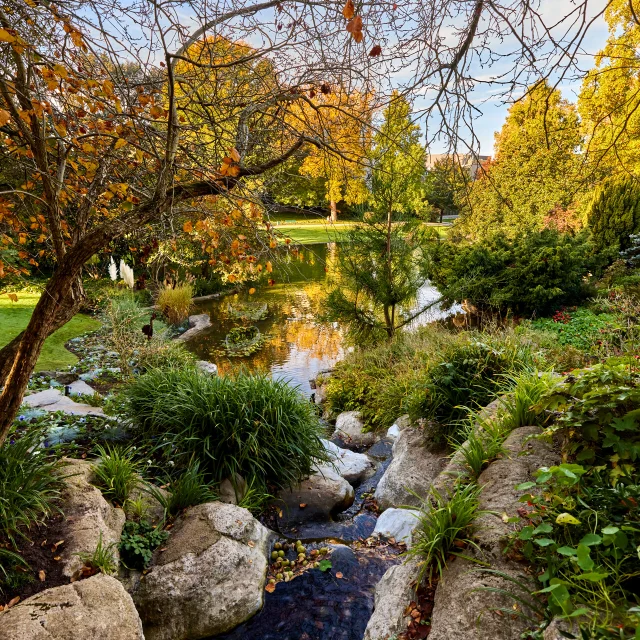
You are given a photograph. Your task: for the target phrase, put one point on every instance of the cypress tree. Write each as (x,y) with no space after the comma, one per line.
(614,213)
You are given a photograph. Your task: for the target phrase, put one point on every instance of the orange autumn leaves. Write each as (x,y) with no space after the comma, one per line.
(354,27)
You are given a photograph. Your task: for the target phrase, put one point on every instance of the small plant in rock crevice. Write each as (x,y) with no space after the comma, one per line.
(116,474)
(444,525)
(138,542)
(102,559)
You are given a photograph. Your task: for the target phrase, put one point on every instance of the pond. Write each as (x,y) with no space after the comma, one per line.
(296,346)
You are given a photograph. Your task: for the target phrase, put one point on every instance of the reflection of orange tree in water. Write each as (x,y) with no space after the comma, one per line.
(292,326)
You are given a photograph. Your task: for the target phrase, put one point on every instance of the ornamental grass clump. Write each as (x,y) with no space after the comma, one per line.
(176,303)
(29,487)
(261,428)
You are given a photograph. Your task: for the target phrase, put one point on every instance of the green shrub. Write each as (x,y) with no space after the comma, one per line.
(138,542)
(116,475)
(532,273)
(29,486)
(443,521)
(468,375)
(175,303)
(597,414)
(261,428)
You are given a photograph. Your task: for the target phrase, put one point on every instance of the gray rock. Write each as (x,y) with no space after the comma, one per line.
(232,494)
(412,469)
(322,494)
(80,387)
(88,516)
(94,609)
(353,467)
(558,630)
(55,400)
(65,378)
(145,501)
(393,431)
(464,608)
(349,427)
(198,324)
(398,524)
(393,594)
(210,577)
(207,367)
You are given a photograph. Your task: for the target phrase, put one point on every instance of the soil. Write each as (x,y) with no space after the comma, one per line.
(40,553)
(420,610)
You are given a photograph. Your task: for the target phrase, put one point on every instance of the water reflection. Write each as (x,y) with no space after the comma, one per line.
(297,346)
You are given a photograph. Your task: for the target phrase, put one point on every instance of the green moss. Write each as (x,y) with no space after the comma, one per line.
(14,317)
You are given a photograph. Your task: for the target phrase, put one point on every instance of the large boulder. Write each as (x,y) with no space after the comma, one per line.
(468,599)
(89,518)
(393,594)
(412,470)
(353,467)
(208,578)
(349,427)
(398,524)
(324,493)
(94,609)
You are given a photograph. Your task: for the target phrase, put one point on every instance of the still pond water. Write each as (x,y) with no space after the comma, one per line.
(296,345)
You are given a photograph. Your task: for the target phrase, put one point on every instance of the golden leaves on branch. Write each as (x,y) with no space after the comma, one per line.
(354,27)
(375,51)
(231,164)
(4,117)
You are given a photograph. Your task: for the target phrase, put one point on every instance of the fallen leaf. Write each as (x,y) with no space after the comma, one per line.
(339,575)
(54,548)
(13,297)
(252,291)
(13,601)
(251,543)
(42,575)
(57,558)
(270,587)
(303,505)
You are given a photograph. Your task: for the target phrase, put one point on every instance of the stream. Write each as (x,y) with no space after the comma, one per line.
(335,604)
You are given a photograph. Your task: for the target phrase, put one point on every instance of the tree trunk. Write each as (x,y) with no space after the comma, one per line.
(9,351)
(334,211)
(58,304)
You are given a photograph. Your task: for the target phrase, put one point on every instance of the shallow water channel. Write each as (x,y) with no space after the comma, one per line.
(335,604)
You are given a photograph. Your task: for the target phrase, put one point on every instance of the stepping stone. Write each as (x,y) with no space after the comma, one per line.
(80,387)
(55,400)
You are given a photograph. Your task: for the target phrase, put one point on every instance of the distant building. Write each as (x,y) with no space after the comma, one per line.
(468,161)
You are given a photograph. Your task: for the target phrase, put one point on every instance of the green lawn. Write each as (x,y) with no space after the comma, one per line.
(14,317)
(310,232)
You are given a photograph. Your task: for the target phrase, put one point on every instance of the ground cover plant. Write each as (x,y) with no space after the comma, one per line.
(584,530)
(250,424)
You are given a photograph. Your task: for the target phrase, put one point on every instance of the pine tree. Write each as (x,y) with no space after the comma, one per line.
(614,213)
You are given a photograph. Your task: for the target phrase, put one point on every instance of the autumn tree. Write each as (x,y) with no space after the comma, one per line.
(94,147)
(536,166)
(609,102)
(342,119)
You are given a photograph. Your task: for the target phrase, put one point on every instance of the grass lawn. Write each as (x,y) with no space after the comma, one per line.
(313,232)
(308,233)
(14,317)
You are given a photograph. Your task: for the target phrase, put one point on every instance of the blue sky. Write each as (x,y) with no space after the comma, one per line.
(494,113)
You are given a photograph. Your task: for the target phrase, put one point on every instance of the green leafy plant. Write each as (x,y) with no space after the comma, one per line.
(468,375)
(260,428)
(138,542)
(189,489)
(479,443)
(444,524)
(521,396)
(102,559)
(597,413)
(116,474)
(29,486)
